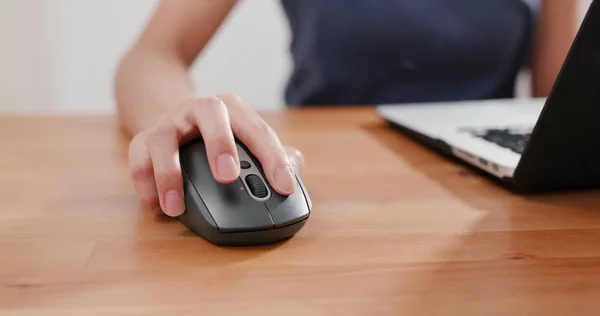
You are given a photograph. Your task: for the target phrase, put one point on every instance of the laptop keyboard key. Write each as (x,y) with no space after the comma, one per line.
(505,138)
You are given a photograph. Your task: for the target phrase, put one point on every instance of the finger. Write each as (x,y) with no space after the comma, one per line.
(212,118)
(163,147)
(262,141)
(296,158)
(142,175)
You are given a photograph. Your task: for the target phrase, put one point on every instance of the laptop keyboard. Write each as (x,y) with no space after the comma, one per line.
(514,140)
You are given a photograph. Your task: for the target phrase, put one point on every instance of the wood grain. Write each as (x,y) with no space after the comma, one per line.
(396,230)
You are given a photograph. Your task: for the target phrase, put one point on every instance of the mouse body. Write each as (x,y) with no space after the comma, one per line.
(246,212)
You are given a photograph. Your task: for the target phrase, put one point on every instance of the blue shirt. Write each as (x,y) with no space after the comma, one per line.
(397,51)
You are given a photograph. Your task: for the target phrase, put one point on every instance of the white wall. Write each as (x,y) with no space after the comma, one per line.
(61,54)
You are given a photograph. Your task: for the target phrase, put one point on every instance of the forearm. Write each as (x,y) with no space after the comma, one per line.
(555,33)
(153,77)
(149,83)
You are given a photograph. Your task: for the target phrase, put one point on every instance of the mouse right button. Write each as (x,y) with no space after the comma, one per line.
(287,210)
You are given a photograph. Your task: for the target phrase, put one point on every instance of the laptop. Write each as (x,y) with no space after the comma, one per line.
(531,145)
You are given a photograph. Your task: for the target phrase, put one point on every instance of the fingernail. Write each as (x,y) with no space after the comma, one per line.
(173,203)
(284,179)
(226,168)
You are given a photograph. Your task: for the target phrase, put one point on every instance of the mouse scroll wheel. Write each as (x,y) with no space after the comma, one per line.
(256,185)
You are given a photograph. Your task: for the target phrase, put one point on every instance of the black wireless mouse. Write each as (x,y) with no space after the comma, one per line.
(246,212)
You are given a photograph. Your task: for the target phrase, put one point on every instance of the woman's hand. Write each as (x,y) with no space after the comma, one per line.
(153,153)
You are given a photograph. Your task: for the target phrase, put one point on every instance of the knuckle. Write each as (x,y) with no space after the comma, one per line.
(223,138)
(273,163)
(292,151)
(137,142)
(281,157)
(211,101)
(161,130)
(253,129)
(260,127)
(140,172)
(232,98)
(294,156)
(140,168)
(166,173)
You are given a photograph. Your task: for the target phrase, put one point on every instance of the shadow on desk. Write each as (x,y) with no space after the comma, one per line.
(177,240)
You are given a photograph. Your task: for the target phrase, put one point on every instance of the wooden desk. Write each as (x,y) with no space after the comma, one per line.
(395,230)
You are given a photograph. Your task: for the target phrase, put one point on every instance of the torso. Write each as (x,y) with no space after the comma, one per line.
(398,51)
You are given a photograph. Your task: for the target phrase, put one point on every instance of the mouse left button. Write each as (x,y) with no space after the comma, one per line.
(196,217)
